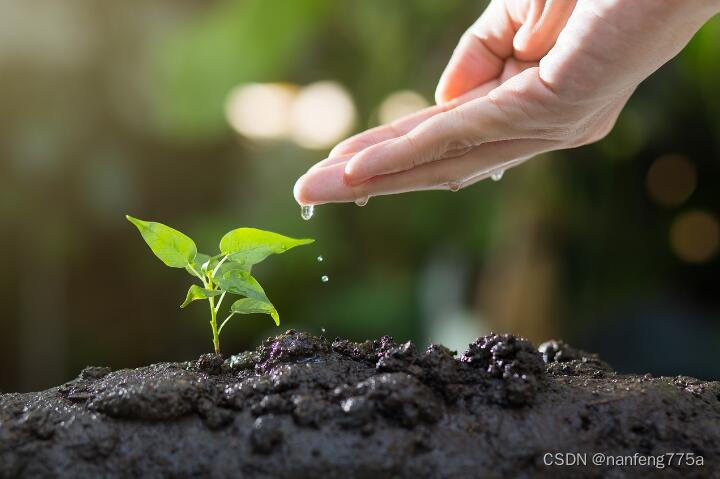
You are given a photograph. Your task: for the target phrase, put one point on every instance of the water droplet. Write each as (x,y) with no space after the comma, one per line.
(361,201)
(320,259)
(306,211)
(454,186)
(323,330)
(497,174)
(324,279)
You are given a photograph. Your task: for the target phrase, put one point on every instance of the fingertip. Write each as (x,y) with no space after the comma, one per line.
(540,30)
(440,90)
(337,150)
(439,97)
(323,185)
(300,191)
(520,40)
(355,173)
(297,190)
(348,145)
(349,173)
(329,161)
(444,91)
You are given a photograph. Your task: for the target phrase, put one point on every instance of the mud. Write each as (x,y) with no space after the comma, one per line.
(300,406)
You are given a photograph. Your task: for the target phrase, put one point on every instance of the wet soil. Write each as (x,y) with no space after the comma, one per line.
(302,406)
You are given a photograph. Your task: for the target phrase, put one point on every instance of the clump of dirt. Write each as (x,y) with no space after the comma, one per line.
(563,359)
(301,406)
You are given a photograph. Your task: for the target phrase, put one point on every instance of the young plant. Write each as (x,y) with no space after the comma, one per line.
(227,272)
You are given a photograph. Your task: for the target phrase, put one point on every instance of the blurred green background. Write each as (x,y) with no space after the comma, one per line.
(151,108)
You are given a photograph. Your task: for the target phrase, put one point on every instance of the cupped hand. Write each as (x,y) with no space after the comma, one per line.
(530,76)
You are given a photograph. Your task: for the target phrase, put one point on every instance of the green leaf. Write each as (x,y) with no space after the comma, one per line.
(250,246)
(196,292)
(197,263)
(171,246)
(241,282)
(210,262)
(229,267)
(252,305)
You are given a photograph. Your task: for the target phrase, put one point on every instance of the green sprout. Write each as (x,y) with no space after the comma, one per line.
(227,272)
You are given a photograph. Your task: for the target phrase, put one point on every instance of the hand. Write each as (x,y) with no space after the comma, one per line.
(530,76)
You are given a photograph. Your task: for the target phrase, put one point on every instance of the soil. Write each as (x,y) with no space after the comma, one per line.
(302,406)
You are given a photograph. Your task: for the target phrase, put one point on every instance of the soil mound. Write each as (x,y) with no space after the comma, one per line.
(301,406)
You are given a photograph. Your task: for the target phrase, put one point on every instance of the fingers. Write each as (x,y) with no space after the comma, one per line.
(480,54)
(523,30)
(459,172)
(541,28)
(332,160)
(403,125)
(327,185)
(445,135)
(384,132)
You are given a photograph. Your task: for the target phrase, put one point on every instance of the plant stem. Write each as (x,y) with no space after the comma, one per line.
(225,322)
(217,307)
(213,325)
(198,275)
(215,270)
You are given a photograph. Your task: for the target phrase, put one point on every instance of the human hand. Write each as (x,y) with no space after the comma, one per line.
(530,76)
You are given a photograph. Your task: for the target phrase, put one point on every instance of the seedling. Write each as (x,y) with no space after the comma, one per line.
(227,272)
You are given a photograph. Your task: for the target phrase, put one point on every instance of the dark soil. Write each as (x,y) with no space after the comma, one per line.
(301,406)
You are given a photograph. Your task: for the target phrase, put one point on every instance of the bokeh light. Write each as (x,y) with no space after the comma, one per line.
(399,104)
(261,110)
(695,236)
(322,115)
(671,180)
(315,117)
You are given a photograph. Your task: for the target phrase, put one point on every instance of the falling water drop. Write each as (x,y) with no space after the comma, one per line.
(323,330)
(320,259)
(454,186)
(497,175)
(361,201)
(306,211)
(324,279)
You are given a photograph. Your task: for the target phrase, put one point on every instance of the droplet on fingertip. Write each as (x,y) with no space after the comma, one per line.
(307,211)
(361,201)
(497,175)
(454,186)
